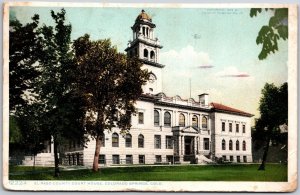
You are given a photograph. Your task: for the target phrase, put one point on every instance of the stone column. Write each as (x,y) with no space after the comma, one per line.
(162,118)
(195,145)
(183,146)
(52,145)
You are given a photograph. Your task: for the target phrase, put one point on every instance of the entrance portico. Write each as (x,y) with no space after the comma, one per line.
(186,143)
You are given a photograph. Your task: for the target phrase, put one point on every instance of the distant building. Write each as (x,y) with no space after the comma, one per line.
(168,129)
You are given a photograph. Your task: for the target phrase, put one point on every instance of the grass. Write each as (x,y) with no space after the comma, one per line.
(273,172)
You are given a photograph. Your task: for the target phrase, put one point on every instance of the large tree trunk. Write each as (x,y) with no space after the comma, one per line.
(56,160)
(97,152)
(262,165)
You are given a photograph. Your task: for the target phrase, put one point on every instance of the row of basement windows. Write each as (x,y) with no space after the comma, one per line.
(168,119)
(238,158)
(116,159)
(237,127)
(129,159)
(237,145)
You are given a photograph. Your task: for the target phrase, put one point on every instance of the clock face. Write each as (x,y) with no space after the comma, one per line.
(152,78)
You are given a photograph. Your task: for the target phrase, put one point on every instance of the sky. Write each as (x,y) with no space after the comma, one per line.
(214,49)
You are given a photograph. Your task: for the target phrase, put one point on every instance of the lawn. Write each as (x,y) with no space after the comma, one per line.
(273,172)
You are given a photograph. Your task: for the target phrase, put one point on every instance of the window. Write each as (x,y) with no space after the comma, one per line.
(231,158)
(141,117)
(238,159)
(167,119)
(157,140)
(128,159)
(158,158)
(194,121)
(128,141)
(141,141)
(141,159)
(204,122)
(102,140)
(143,30)
(101,159)
(244,145)
(156,118)
(230,144)
(116,159)
(223,126)
(115,140)
(245,158)
(244,128)
(152,55)
(230,127)
(145,53)
(206,143)
(224,158)
(181,120)
(237,128)
(237,145)
(169,142)
(223,144)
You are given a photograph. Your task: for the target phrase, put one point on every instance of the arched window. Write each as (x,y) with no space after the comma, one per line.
(145,53)
(141,141)
(115,140)
(181,120)
(204,122)
(195,121)
(223,144)
(128,141)
(167,119)
(152,55)
(143,30)
(244,145)
(156,118)
(230,144)
(237,145)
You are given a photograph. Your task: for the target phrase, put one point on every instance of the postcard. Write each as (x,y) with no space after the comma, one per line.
(150,97)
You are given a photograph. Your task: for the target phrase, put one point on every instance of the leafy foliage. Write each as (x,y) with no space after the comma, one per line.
(24,47)
(110,83)
(270,34)
(54,109)
(273,113)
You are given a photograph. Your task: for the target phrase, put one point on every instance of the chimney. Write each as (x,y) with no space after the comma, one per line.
(203,99)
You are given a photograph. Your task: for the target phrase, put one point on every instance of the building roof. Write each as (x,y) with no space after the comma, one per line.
(143,16)
(227,109)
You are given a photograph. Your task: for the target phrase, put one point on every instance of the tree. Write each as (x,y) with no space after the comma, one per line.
(273,113)
(110,83)
(62,110)
(24,46)
(270,34)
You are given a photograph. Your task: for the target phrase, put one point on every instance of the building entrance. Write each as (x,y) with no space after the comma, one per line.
(188,145)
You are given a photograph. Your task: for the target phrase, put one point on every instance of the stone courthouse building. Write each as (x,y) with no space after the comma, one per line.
(169,129)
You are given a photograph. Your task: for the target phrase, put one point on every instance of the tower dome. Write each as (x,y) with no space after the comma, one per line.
(143,16)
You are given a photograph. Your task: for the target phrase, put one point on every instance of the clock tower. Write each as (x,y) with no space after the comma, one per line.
(147,47)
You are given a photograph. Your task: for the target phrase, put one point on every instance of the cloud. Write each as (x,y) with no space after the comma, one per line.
(186,59)
(232,71)
(205,66)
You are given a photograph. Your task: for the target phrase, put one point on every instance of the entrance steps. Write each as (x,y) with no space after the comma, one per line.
(201,159)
